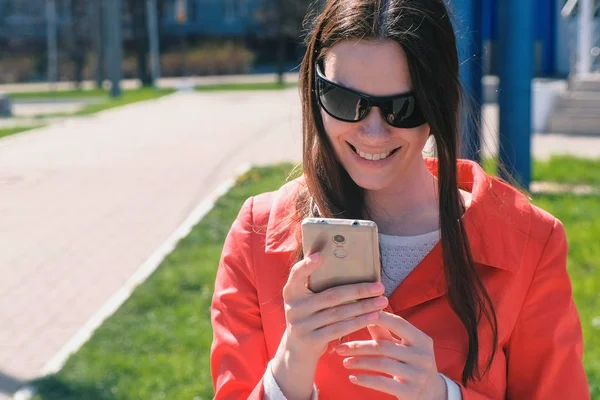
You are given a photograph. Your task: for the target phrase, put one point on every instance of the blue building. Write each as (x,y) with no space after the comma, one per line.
(26,19)
(554,49)
(555,36)
(213,17)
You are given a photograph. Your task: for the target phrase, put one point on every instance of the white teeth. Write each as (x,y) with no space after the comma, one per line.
(372,157)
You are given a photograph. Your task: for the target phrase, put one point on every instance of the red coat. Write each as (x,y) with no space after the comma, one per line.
(520,253)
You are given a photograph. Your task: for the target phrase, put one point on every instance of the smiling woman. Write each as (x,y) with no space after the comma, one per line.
(390,140)
(474,301)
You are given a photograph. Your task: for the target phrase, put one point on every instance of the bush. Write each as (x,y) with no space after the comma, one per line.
(17,69)
(211,59)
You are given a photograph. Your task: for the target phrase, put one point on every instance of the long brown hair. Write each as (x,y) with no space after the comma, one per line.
(424,30)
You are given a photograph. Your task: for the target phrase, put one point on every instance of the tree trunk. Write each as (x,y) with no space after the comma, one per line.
(281,56)
(137,8)
(78,42)
(280,42)
(142,62)
(97,9)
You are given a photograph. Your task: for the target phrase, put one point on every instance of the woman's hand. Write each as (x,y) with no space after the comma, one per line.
(315,319)
(407,365)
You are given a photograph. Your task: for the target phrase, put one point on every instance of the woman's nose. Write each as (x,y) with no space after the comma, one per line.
(374,127)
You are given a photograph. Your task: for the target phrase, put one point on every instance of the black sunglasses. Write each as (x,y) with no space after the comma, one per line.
(344,104)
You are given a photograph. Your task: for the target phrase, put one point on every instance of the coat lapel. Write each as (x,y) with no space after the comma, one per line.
(282,228)
(426,282)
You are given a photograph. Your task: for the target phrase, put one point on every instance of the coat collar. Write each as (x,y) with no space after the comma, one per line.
(497,222)
(281,235)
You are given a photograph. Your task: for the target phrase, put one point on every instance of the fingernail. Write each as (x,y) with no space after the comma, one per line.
(353,379)
(376,288)
(314,257)
(381,302)
(341,348)
(346,361)
(373,316)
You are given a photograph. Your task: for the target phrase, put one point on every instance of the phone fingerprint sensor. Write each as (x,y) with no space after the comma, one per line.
(340,253)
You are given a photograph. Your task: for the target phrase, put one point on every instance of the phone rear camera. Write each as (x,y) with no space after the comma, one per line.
(355,223)
(339,239)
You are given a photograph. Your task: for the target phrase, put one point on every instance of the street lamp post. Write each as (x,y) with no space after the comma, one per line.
(52,41)
(470,45)
(515,73)
(154,40)
(97,9)
(181,15)
(115,44)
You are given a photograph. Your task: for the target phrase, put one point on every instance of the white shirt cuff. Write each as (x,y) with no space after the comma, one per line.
(272,390)
(453,389)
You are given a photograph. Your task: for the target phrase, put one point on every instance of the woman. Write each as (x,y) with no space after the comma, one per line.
(475,300)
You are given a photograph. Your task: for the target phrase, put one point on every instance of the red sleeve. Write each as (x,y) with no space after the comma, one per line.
(238,354)
(545,350)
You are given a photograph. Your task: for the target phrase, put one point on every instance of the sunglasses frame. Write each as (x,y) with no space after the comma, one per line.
(372,101)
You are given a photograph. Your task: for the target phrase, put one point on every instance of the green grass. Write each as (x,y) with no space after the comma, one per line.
(156,345)
(59,94)
(568,169)
(143,92)
(133,96)
(581,217)
(127,97)
(245,86)
(11,131)
(561,169)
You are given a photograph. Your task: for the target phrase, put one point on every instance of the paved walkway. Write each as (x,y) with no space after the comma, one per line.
(84,203)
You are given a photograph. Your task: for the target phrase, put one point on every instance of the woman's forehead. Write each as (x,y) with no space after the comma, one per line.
(378,68)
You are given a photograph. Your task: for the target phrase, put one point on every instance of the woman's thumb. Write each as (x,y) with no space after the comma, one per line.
(304,268)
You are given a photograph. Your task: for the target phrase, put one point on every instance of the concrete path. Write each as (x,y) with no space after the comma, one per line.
(84,203)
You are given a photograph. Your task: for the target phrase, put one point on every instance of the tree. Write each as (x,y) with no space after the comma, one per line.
(281,20)
(78,38)
(139,24)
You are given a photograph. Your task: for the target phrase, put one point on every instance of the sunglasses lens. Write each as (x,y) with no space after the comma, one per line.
(403,112)
(341,103)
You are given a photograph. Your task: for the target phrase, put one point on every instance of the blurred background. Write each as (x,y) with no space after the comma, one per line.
(131,131)
(68,40)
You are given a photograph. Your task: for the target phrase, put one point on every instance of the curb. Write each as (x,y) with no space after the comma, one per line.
(143,272)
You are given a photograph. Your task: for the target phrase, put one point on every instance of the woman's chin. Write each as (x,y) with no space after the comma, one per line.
(371,182)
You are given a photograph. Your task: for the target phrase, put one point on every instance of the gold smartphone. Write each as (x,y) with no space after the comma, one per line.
(350,251)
